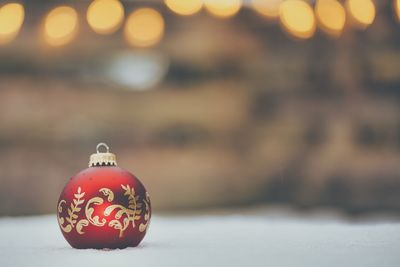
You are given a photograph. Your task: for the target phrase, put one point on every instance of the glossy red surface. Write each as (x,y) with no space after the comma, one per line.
(99,229)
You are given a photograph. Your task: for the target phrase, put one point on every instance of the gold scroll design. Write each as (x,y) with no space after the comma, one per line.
(129,214)
(143,226)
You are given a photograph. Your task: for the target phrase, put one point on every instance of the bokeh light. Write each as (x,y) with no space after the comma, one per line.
(297,18)
(60,26)
(397,8)
(269,9)
(11,19)
(105,16)
(362,12)
(184,7)
(331,16)
(223,8)
(144,27)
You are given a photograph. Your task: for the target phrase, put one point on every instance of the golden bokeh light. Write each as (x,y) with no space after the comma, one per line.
(184,7)
(297,18)
(269,9)
(60,26)
(144,27)
(362,12)
(331,16)
(11,19)
(105,16)
(223,8)
(397,8)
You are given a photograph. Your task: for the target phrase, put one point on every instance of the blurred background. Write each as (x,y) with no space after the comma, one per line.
(211,103)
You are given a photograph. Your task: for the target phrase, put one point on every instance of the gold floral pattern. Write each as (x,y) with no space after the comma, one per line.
(131,213)
(123,216)
(72,210)
(143,226)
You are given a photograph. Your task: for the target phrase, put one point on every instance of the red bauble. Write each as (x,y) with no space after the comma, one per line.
(104,206)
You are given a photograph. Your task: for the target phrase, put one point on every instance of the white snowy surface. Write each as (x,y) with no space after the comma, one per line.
(213,240)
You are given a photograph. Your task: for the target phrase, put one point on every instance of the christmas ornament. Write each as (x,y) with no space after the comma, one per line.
(104,206)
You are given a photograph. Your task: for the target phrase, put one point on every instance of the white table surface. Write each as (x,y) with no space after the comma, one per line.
(213,240)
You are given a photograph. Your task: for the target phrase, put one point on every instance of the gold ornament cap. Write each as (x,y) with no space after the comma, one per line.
(102,158)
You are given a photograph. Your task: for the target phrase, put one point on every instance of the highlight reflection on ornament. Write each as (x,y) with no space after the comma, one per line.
(104,206)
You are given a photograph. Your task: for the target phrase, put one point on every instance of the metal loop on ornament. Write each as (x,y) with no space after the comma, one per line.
(102,145)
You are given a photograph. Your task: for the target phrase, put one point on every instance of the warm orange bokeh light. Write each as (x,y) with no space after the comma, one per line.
(297,18)
(105,16)
(397,8)
(144,27)
(362,12)
(223,8)
(60,26)
(184,7)
(331,16)
(269,9)
(11,19)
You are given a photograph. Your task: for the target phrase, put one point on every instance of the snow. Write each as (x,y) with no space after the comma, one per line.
(213,240)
